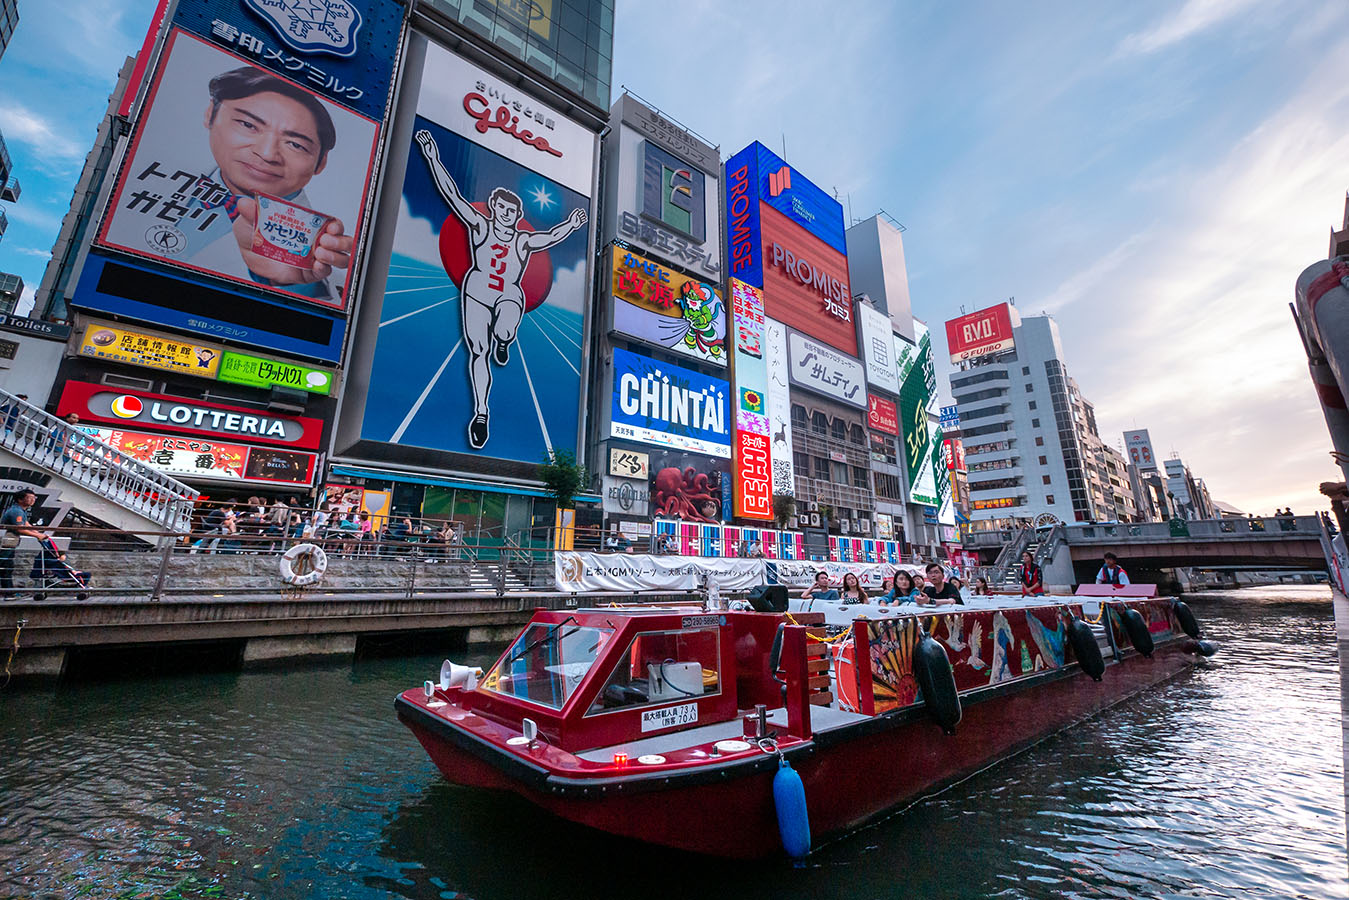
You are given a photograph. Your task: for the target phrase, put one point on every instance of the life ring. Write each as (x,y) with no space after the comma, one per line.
(310,561)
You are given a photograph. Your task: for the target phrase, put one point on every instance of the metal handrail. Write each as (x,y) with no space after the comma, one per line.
(80,458)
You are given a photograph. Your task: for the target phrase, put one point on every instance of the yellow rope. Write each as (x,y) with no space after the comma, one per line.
(830,640)
(12,650)
(1099,615)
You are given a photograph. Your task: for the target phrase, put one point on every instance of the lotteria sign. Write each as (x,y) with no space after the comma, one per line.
(99,403)
(980,333)
(667,405)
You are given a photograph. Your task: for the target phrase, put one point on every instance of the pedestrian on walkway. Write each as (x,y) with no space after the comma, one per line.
(16,525)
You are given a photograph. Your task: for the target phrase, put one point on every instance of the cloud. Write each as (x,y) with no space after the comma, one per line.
(1193,18)
(32,251)
(26,300)
(47,138)
(24,211)
(569,289)
(415,236)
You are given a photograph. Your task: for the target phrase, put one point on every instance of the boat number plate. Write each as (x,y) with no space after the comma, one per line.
(669,717)
(702,621)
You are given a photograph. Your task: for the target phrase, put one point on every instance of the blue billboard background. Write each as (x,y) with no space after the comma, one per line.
(744,243)
(803,202)
(420,393)
(342,49)
(700,436)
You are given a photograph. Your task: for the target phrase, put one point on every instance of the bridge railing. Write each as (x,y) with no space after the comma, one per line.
(1190,529)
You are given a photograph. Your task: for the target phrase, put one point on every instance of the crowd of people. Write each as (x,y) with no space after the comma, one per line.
(932,588)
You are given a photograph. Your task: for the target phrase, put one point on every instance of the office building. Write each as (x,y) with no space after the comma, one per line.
(11,290)
(9,20)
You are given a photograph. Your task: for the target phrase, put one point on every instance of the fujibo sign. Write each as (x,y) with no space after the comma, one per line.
(669,406)
(255,371)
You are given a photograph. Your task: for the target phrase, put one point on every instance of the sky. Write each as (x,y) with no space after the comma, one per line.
(1153,174)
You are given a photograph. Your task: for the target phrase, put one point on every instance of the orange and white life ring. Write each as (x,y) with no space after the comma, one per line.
(303,565)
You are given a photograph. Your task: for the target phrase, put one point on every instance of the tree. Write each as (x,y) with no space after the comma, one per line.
(562,478)
(784,507)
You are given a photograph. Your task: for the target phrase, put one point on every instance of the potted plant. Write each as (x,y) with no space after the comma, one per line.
(784,508)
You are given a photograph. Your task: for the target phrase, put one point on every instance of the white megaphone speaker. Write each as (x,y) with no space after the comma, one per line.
(453,675)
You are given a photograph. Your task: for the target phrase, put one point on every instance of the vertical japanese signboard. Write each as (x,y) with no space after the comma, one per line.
(915,395)
(753,454)
(878,348)
(779,406)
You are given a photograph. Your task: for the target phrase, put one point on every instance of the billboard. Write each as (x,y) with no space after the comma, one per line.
(242,174)
(657,305)
(209,458)
(669,406)
(824,370)
(689,487)
(950,417)
(478,342)
(102,403)
(795,197)
(980,333)
(256,371)
(753,450)
(779,406)
(878,348)
(628,463)
(150,350)
(744,250)
(753,476)
(806,283)
(1138,444)
(915,395)
(953,451)
(882,415)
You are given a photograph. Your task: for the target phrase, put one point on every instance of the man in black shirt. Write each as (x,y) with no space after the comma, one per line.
(938,589)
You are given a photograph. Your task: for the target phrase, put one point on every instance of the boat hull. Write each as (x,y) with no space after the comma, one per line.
(852,776)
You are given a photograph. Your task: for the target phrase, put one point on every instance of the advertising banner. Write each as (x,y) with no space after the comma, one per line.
(914,397)
(626,496)
(150,350)
(628,463)
(101,403)
(802,573)
(670,406)
(267,188)
(479,342)
(753,476)
(1138,444)
(255,371)
(779,406)
(980,333)
(878,348)
(689,486)
(792,195)
(950,417)
(882,415)
(203,458)
(744,240)
(751,369)
(806,283)
(342,49)
(953,452)
(659,306)
(631,572)
(824,370)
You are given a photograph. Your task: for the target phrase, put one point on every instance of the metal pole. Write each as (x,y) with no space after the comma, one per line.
(166,553)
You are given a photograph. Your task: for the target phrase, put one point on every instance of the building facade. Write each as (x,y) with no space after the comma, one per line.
(9,20)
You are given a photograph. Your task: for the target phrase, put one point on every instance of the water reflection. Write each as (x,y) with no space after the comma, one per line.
(303,784)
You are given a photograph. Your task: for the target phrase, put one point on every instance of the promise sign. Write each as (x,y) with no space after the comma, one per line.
(980,333)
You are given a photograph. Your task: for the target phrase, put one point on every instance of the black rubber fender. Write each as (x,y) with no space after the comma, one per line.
(1201,648)
(1085,648)
(1185,616)
(1137,628)
(932,670)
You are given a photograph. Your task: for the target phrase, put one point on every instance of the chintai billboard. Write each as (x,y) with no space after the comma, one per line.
(669,406)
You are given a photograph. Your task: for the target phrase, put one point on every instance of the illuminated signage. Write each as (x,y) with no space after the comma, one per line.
(980,333)
(658,305)
(823,369)
(953,451)
(882,415)
(834,292)
(753,476)
(255,371)
(878,348)
(209,459)
(805,282)
(668,405)
(999,503)
(771,180)
(1139,446)
(150,350)
(628,463)
(744,250)
(673,192)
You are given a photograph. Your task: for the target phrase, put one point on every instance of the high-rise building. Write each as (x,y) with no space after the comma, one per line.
(1189,496)
(9,20)
(11,290)
(1031,443)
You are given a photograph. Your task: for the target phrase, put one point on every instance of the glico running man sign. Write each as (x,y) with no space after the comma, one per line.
(669,406)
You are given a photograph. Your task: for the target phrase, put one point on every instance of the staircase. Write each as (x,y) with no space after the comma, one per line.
(95,478)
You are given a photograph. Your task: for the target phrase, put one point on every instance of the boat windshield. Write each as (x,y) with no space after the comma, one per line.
(547,663)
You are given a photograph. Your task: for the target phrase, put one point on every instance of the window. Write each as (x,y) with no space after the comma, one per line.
(1045,478)
(858,435)
(821,468)
(859,478)
(1032,404)
(1025,370)
(798,417)
(838,472)
(838,430)
(548,662)
(1034,423)
(801,464)
(1039,441)
(660,666)
(882,448)
(1044,460)
(819,422)
(1030,388)
(887,486)
(1049,498)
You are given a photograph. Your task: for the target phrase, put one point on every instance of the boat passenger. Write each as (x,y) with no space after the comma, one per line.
(981,588)
(907,588)
(1032,579)
(852,590)
(1112,572)
(918,585)
(820,590)
(939,591)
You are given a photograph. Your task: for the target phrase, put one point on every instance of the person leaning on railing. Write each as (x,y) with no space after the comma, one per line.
(16,525)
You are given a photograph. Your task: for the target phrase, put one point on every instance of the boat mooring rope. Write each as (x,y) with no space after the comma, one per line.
(14,648)
(823,640)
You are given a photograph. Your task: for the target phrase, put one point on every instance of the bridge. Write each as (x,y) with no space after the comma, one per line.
(1072,553)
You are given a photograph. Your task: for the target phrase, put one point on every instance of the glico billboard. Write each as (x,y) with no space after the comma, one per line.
(473,315)
(785,235)
(981,333)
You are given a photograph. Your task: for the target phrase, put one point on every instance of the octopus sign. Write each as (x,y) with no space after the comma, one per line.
(688,487)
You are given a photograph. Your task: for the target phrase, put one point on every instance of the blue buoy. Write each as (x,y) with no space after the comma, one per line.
(789,796)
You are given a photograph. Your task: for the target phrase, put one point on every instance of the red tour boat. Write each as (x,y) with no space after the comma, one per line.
(724,732)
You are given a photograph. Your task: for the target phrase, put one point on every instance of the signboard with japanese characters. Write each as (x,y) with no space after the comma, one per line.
(779,406)
(628,463)
(820,368)
(657,305)
(669,406)
(206,458)
(882,415)
(663,190)
(151,350)
(342,49)
(878,348)
(751,369)
(245,175)
(753,476)
(256,371)
(627,496)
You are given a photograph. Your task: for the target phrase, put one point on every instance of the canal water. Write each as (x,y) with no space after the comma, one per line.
(1226,783)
